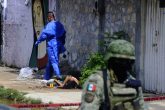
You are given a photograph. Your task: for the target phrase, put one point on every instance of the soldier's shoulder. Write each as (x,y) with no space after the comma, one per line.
(96,73)
(95,80)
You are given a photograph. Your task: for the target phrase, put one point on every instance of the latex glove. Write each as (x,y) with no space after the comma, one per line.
(37,42)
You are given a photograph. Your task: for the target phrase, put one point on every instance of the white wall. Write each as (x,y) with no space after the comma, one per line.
(52,5)
(17,34)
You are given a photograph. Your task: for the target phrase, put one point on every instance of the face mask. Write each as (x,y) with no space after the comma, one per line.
(122,64)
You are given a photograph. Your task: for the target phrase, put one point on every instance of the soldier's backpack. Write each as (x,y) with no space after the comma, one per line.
(122,97)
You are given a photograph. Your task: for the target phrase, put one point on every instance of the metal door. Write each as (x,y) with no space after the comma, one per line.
(154,61)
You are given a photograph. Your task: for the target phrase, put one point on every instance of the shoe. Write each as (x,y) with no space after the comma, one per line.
(44,81)
(50,81)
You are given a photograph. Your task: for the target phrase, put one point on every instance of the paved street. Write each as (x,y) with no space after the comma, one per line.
(156,105)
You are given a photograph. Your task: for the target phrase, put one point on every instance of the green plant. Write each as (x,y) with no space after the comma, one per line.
(35,101)
(121,35)
(95,62)
(14,95)
(10,94)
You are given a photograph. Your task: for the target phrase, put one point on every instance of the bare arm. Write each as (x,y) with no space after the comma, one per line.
(58,82)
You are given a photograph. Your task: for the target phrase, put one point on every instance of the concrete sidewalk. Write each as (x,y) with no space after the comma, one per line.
(156,105)
(57,97)
(75,97)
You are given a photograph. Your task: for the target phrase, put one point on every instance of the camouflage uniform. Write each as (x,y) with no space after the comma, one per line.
(121,97)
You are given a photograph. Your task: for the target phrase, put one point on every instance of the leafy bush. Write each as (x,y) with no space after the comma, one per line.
(10,94)
(95,62)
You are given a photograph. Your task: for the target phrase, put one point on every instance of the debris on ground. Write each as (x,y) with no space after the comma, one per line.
(27,73)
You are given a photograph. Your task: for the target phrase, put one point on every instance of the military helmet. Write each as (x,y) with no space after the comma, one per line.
(120,49)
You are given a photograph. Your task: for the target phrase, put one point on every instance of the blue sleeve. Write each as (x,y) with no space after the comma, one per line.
(53,29)
(47,32)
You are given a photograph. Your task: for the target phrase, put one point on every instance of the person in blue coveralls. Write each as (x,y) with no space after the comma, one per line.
(54,34)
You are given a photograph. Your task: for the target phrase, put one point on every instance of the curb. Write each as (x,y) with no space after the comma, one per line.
(43,105)
(147,99)
(156,98)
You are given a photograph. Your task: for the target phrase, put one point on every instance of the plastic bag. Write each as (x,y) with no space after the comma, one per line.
(27,73)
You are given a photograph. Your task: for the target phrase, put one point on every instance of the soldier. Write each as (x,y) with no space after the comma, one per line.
(114,88)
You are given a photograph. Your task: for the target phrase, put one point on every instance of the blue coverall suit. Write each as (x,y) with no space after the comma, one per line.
(52,33)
